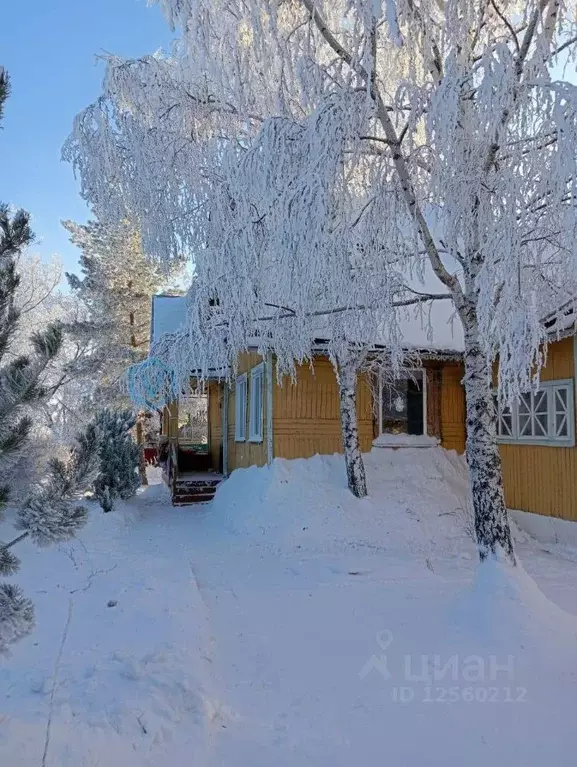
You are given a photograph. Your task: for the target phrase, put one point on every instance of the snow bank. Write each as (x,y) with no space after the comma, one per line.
(418,505)
(546,529)
(368,627)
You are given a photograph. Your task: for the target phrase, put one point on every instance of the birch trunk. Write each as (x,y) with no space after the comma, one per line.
(483,458)
(347,380)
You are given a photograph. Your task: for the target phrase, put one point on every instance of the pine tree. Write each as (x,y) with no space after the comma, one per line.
(20,386)
(116,287)
(51,512)
(50,515)
(119,457)
(4,89)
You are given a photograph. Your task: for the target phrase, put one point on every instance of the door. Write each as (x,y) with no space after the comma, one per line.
(402,404)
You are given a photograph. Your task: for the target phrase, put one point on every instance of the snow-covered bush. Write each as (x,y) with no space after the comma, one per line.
(119,457)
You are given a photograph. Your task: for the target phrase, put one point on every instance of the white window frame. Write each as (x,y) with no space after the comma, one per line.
(551,439)
(256,410)
(240,402)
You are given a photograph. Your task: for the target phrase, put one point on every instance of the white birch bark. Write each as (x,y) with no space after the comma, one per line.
(346,370)
(492,527)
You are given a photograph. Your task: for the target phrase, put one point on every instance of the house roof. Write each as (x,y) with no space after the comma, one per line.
(168,315)
(433,328)
(562,322)
(433,331)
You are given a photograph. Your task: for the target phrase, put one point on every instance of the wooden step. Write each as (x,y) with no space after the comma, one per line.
(188,491)
(189,500)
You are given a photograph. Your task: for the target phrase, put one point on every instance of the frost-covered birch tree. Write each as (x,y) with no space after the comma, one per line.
(292,275)
(459,106)
(300,276)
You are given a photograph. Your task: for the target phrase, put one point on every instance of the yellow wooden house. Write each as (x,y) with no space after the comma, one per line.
(257,418)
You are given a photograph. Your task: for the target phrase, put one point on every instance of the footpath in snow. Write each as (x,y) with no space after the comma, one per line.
(291,624)
(119,662)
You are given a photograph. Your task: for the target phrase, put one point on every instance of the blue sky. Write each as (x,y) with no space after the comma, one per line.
(49,49)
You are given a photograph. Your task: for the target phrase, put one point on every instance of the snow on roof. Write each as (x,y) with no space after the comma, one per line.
(562,322)
(168,316)
(434,327)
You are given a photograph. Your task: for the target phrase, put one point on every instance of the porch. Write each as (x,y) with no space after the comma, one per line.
(195,487)
(186,457)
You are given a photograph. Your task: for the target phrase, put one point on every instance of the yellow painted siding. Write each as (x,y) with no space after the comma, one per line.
(165,420)
(243,454)
(215,404)
(306,414)
(560,361)
(434,374)
(306,421)
(536,478)
(453,421)
(173,422)
(543,479)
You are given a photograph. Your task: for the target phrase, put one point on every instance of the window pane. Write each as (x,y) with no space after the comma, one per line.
(253,403)
(561,398)
(524,424)
(561,425)
(244,403)
(533,413)
(541,402)
(506,424)
(241,418)
(525,404)
(540,423)
(256,403)
(240,409)
(504,418)
(258,399)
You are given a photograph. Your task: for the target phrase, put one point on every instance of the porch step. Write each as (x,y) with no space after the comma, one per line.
(189,500)
(189,491)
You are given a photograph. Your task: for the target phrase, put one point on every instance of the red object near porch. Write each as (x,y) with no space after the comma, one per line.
(151,456)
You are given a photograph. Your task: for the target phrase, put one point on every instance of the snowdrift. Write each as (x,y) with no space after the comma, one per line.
(418,505)
(432,659)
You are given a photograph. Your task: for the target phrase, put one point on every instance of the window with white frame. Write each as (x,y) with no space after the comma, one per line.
(240,409)
(256,403)
(545,416)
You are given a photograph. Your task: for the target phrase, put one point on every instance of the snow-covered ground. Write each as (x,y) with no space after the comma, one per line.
(290,624)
